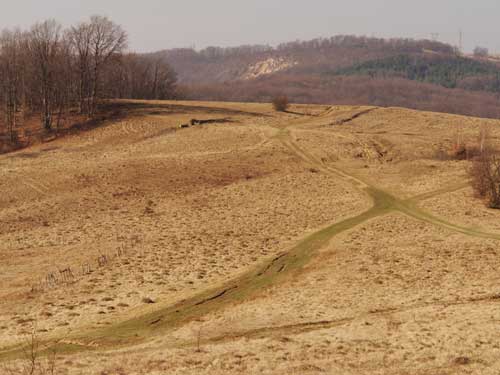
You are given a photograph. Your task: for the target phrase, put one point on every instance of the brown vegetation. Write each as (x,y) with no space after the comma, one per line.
(197,208)
(485,168)
(280,103)
(38,358)
(485,175)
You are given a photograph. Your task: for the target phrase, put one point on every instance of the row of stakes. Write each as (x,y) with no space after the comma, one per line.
(67,276)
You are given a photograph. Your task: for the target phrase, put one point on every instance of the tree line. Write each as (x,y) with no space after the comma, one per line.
(51,72)
(319,44)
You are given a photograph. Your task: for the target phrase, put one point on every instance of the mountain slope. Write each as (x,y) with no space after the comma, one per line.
(419,74)
(215,64)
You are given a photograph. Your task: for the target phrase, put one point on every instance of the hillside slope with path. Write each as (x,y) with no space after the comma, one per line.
(310,241)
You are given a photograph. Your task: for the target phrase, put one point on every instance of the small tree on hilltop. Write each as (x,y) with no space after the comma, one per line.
(481,52)
(280,103)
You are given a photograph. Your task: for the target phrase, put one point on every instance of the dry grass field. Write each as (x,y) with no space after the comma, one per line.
(321,240)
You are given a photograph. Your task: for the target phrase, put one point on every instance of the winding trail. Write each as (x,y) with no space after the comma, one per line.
(271,272)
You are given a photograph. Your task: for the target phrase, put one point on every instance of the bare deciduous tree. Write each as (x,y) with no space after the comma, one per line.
(485,170)
(49,71)
(80,37)
(107,39)
(485,174)
(44,46)
(11,78)
(65,81)
(143,77)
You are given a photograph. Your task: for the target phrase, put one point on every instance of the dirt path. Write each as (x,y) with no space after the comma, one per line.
(271,272)
(408,206)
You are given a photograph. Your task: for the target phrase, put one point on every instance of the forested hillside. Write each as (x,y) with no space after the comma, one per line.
(216,64)
(446,71)
(418,74)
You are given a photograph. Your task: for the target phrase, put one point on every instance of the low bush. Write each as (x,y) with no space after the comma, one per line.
(280,103)
(485,176)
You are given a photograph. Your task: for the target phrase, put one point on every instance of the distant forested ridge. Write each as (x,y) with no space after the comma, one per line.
(446,71)
(217,64)
(420,74)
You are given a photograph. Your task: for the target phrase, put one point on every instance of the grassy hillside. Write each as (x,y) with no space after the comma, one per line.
(257,242)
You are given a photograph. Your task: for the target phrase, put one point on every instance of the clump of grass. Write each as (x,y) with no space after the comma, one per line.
(148,300)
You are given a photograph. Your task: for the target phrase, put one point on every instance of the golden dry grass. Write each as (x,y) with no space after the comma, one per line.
(184,213)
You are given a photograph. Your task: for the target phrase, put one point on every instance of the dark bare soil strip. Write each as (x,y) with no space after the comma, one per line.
(354,117)
(271,264)
(218,295)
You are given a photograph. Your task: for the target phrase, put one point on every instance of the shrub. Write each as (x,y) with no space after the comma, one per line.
(37,358)
(461,150)
(484,171)
(458,151)
(280,103)
(485,175)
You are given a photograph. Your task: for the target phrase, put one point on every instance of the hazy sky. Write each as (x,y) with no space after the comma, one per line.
(157,24)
